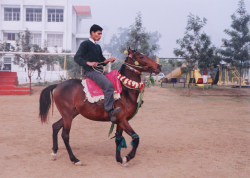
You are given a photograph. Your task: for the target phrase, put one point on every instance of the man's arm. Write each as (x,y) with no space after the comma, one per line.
(79,56)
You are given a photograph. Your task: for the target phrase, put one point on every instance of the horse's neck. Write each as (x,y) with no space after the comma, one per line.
(132,94)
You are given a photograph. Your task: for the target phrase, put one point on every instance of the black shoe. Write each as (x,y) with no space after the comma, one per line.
(113,113)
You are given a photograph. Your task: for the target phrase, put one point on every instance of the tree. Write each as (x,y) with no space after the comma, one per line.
(195,46)
(136,34)
(116,41)
(144,42)
(237,49)
(114,46)
(73,68)
(32,62)
(2,48)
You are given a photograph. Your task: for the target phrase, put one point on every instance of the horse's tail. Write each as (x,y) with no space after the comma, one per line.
(45,102)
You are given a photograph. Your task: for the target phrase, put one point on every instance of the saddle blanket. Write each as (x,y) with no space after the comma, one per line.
(94,93)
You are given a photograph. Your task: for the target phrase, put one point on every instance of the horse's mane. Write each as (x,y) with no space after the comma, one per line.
(122,68)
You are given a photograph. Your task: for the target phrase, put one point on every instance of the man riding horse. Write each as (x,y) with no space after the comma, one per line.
(89,55)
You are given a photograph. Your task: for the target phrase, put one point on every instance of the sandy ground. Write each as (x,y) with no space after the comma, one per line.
(197,136)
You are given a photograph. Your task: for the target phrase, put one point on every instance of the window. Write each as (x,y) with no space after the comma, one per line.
(36,38)
(55,15)
(7,60)
(55,40)
(9,36)
(11,14)
(33,15)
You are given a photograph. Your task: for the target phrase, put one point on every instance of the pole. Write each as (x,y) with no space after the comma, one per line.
(220,75)
(157,75)
(81,73)
(65,68)
(226,79)
(109,65)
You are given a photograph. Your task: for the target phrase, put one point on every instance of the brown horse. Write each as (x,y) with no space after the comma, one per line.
(70,101)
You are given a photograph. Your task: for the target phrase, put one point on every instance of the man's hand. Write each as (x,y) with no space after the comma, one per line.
(92,64)
(112,59)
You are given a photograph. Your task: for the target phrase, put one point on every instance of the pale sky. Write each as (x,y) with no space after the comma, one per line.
(168,17)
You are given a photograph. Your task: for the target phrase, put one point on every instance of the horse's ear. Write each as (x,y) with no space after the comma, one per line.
(129,50)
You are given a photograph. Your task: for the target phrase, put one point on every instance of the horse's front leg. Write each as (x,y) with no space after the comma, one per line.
(119,140)
(135,140)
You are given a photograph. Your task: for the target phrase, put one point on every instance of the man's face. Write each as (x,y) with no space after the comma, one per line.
(96,35)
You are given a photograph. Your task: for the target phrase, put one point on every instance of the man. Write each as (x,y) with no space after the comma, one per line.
(89,55)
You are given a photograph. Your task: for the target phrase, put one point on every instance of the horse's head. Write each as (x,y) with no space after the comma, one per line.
(143,63)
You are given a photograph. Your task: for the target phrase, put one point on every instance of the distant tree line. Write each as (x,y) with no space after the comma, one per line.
(196,46)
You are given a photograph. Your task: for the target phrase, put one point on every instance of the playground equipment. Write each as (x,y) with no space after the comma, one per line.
(233,70)
(199,80)
(201,77)
(175,73)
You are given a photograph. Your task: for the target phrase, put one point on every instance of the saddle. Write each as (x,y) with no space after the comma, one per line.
(94,93)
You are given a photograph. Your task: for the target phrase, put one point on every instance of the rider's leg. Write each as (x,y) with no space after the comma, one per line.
(108,90)
(106,85)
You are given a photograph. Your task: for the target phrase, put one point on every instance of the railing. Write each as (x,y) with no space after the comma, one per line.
(107,55)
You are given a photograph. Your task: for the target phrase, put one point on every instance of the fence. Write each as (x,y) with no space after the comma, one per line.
(49,73)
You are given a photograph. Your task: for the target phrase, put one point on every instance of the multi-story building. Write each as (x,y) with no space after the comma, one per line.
(55,21)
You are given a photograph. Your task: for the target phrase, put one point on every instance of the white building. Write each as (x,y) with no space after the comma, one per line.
(55,21)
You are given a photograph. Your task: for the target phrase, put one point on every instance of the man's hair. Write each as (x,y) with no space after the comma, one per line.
(95,28)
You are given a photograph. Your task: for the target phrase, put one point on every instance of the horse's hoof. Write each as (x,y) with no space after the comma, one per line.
(125,165)
(79,163)
(124,160)
(53,156)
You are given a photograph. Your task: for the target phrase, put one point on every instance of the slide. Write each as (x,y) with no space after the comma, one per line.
(175,73)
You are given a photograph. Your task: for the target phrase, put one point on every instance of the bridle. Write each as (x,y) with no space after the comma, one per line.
(128,65)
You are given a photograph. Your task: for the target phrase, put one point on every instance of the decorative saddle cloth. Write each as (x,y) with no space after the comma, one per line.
(94,93)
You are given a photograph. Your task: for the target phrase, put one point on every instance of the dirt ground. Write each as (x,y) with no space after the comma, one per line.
(198,136)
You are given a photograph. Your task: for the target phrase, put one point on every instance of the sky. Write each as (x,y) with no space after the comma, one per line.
(168,17)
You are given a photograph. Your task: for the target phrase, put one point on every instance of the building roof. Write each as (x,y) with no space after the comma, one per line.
(82,10)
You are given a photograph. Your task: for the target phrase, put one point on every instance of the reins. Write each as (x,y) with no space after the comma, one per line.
(122,61)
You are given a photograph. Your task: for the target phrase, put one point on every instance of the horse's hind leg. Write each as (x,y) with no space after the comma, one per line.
(56,127)
(118,140)
(135,141)
(67,121)
(65,136)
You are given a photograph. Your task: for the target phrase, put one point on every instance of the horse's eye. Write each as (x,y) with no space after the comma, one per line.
(141,57)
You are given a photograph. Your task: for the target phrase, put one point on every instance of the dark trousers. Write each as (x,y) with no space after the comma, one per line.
(106,85)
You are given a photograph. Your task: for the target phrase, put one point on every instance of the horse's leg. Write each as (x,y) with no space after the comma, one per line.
(65,136)
(56,127)
(118,140)
(67,121)
(135,140)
